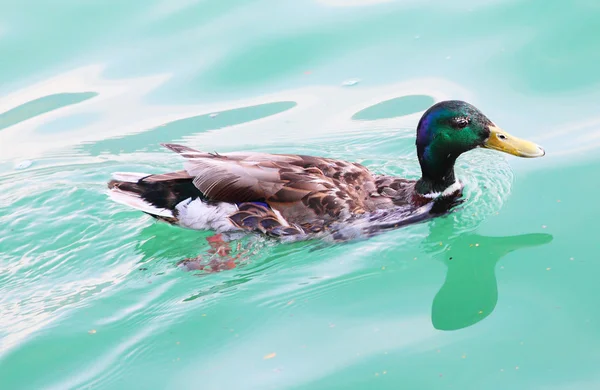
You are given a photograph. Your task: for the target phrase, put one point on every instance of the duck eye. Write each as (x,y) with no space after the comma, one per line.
(460,122)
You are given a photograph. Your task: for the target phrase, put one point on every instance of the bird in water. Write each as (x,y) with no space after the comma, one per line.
(301,197)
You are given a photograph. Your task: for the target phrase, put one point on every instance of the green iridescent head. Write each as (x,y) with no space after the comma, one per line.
(450,128)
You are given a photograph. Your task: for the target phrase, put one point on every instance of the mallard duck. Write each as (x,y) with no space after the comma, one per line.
(286,195)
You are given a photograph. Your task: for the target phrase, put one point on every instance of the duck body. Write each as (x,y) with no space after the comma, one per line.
(274,194)
(285,195)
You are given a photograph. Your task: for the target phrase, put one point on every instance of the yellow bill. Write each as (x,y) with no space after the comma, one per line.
(504,142)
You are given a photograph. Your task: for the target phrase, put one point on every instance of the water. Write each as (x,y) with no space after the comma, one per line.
(501,294)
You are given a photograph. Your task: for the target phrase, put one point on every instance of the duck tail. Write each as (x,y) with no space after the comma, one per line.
(156,195)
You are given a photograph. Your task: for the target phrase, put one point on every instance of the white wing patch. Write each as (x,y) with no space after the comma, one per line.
(195,214)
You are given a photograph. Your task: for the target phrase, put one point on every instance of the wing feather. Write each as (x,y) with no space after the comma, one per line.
(319,186)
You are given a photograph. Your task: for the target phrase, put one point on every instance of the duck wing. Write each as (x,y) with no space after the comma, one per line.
(304,189)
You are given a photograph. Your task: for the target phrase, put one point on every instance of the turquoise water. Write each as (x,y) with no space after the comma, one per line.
(499,295)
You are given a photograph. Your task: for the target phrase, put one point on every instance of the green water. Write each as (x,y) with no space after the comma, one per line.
(502,294)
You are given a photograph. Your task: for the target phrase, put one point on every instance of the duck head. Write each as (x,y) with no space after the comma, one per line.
(450,128)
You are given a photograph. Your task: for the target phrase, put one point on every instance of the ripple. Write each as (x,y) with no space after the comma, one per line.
(71,257)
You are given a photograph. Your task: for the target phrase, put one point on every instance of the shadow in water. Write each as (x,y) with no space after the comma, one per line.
(470,292)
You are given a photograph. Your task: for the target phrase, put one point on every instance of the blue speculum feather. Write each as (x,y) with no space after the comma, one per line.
(257,203)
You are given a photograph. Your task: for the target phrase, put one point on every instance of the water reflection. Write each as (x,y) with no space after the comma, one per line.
(396,107)
(41,106)
(164,248)
(470,292)
(179,129)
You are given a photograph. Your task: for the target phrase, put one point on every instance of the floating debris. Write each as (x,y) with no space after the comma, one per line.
(214,114)
(351,82)
(544,226)
(93,331)
(548,269)
(270,356)
(23,164)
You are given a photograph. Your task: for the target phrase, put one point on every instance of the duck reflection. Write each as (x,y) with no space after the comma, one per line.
(173,246)
(470,292)
(217,251)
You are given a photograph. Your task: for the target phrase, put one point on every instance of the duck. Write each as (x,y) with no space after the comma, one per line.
(302,196)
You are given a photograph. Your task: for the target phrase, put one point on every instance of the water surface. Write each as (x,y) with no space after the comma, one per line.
(500,294)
